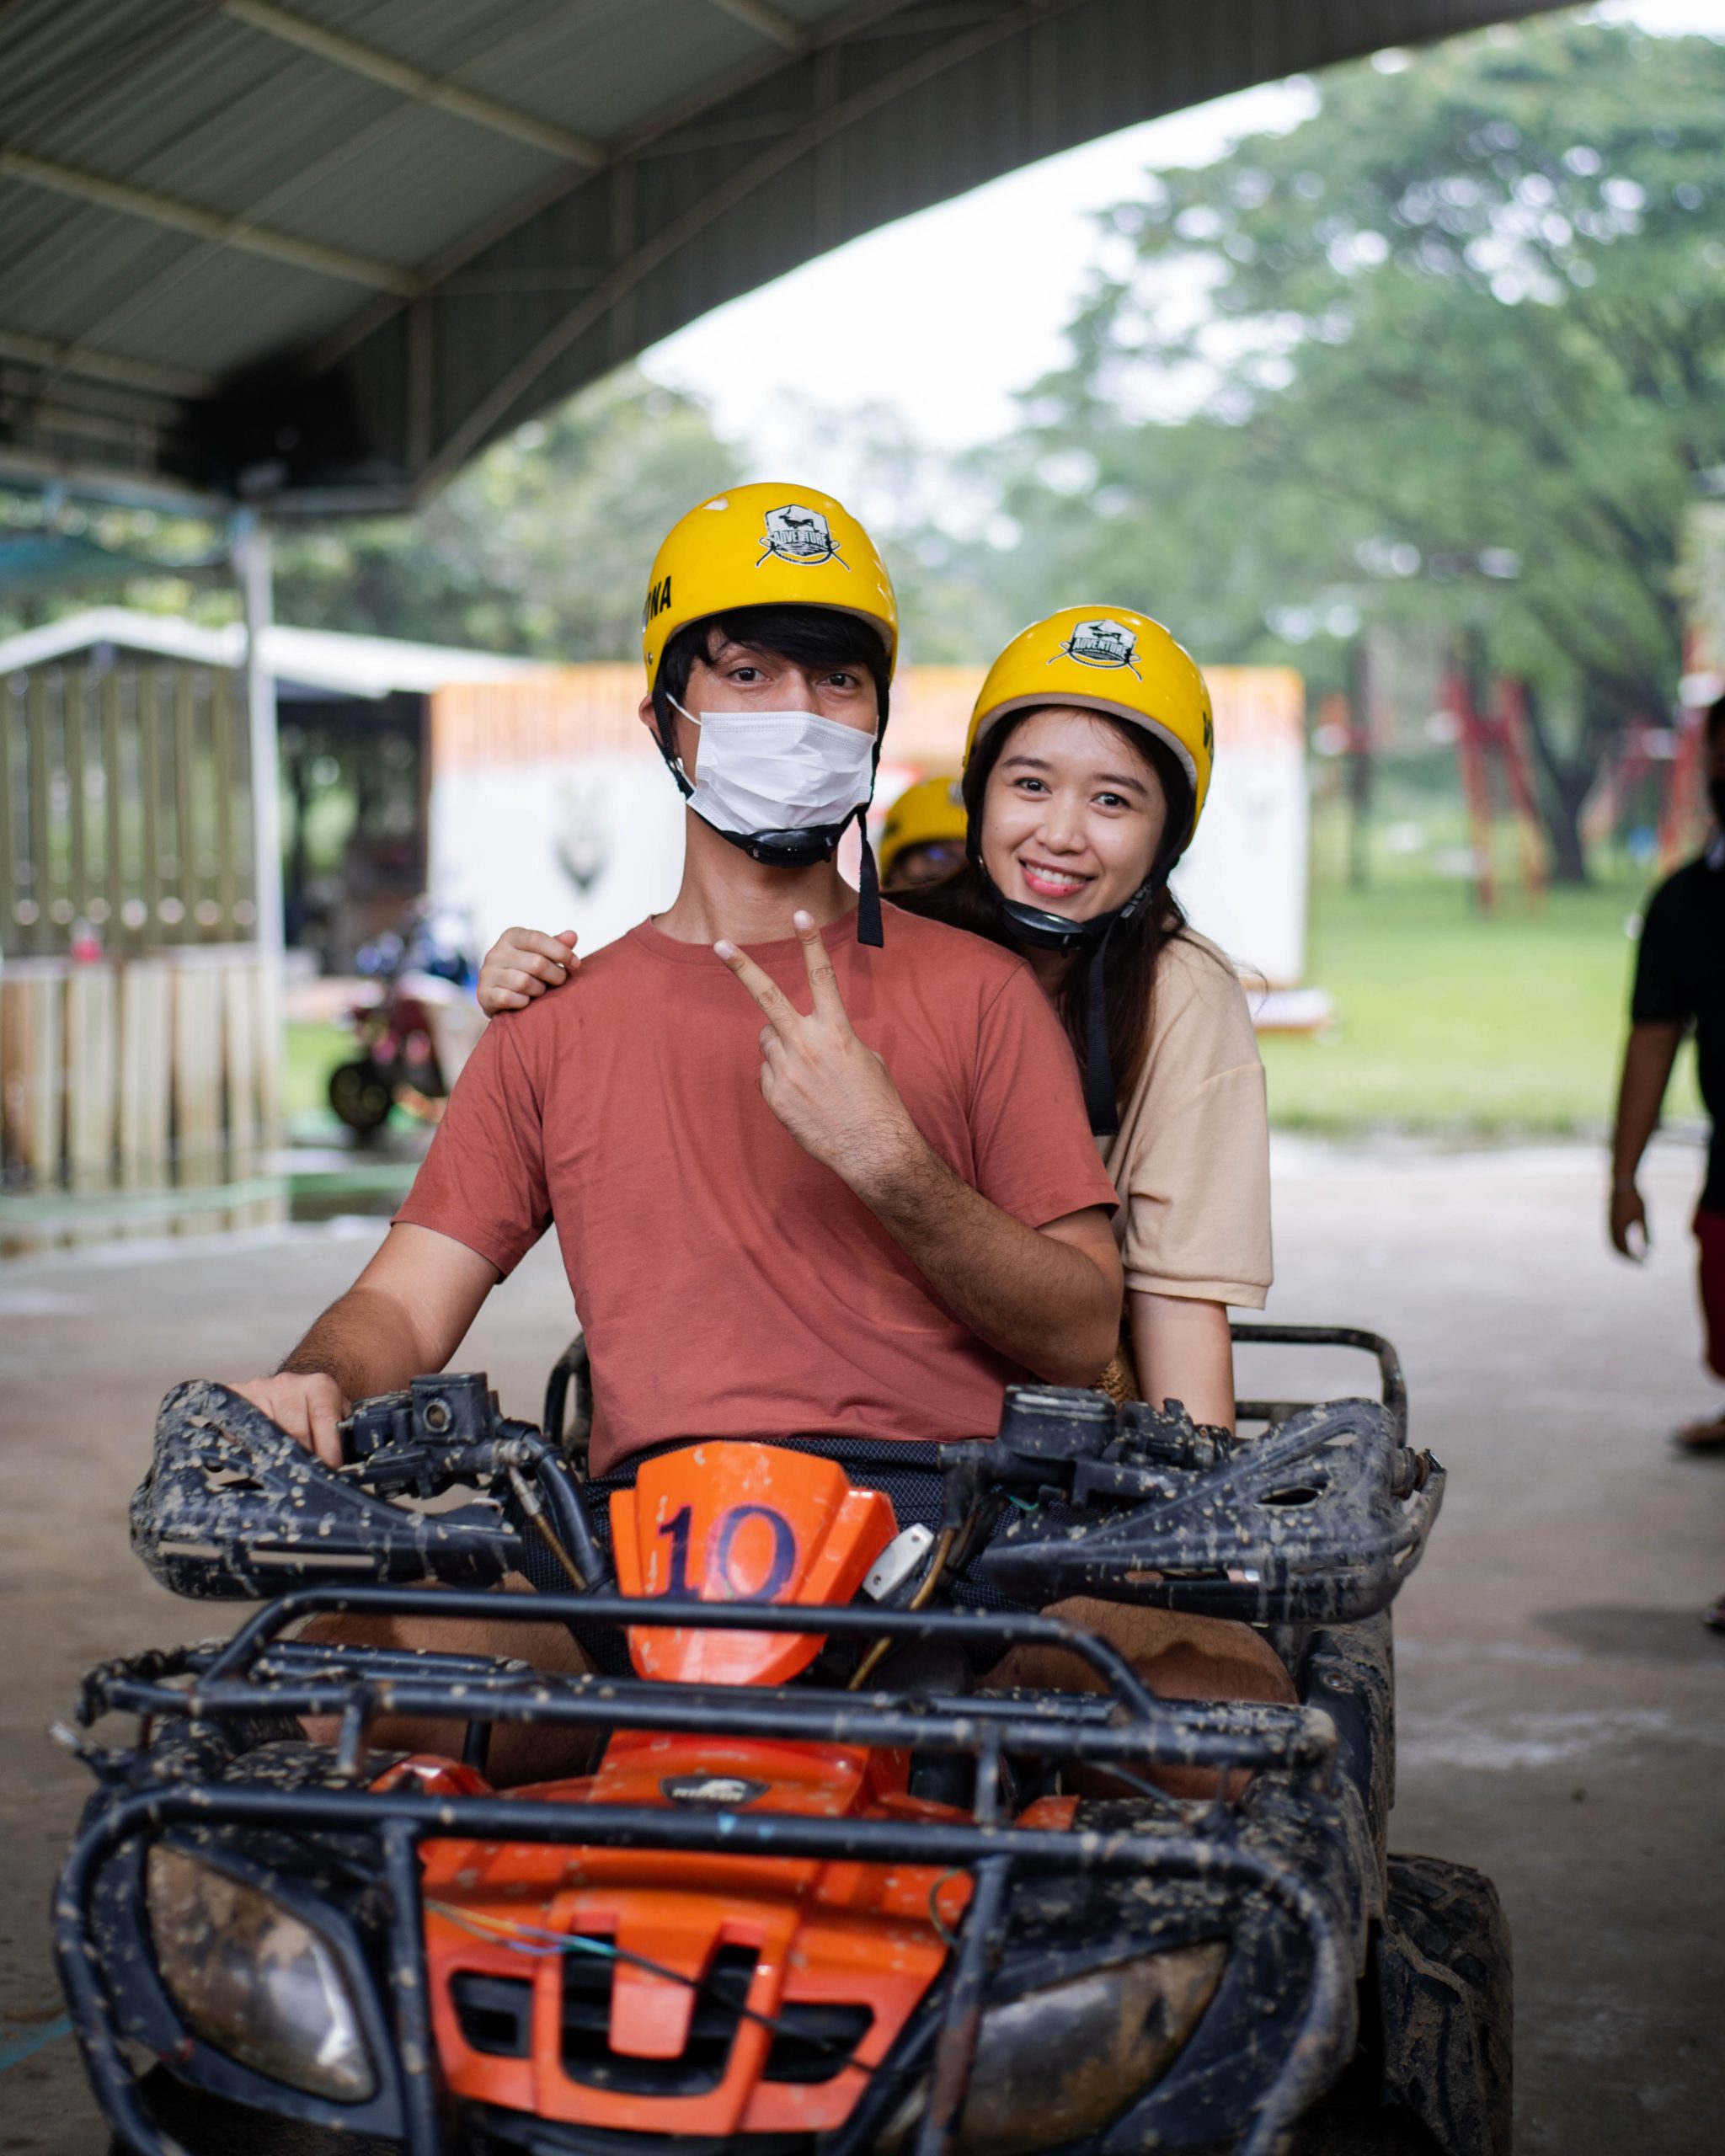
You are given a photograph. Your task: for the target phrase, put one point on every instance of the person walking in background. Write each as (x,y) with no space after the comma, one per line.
(1680,983)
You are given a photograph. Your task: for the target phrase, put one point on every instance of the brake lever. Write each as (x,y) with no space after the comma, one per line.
(421,1438)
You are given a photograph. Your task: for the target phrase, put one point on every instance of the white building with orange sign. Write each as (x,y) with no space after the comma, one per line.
(550,806)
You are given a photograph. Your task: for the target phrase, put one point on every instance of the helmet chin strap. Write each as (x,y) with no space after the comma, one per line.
(1053,931)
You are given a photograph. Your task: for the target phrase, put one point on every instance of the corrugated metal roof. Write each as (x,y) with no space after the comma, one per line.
(322,251)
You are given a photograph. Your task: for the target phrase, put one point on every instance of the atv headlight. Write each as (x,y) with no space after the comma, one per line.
(253,1980)
(1059,2064)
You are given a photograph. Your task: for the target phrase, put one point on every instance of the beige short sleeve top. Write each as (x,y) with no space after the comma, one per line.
(1191,1161)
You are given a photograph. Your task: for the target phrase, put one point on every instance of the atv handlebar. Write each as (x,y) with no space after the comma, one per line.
(1319,1519)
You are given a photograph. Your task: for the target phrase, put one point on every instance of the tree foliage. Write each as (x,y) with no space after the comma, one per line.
(1449,354)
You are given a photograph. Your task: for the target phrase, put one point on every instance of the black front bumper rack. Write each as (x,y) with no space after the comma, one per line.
(1127,1728)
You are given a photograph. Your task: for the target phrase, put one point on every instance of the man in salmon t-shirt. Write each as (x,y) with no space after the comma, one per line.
(865,1217)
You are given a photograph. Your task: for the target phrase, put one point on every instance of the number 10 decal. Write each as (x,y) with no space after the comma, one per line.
(731,1522)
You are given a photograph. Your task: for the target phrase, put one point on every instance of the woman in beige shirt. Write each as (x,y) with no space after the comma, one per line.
(1086,772)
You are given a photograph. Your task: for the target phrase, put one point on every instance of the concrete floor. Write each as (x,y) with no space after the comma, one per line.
(1563,1710)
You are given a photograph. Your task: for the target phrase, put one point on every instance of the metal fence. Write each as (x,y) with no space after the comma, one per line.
(125,810)
(136,1031)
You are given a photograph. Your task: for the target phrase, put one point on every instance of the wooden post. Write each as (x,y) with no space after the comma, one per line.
(239,1000)
(78,804)
(91,1070)
(251,561)
(221,718)
(149,683)
(14,1073)
(42,1009)
(186,804)
(146,992)
(114,802)
(12,729)
(37,769)
(197,1061)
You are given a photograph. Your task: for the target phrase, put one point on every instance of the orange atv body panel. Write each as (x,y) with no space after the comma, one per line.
(734,1522)
(865,1936)
(723,1521)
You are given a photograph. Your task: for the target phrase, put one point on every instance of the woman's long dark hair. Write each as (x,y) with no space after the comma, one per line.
(964,899)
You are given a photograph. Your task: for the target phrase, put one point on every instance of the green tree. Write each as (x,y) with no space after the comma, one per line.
(1448,355)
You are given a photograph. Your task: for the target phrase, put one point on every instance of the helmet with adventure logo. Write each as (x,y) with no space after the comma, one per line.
(1108,659)
(765,545)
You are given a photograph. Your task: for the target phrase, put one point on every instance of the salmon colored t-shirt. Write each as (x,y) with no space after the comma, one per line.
(728,1284)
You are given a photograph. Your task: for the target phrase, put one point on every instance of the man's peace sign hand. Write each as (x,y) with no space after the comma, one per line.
(831,1091)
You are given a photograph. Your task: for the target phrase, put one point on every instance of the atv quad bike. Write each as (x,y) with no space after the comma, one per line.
(822,1892)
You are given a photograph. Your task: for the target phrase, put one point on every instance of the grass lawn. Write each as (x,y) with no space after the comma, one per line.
(312,1053)
(1448,1019)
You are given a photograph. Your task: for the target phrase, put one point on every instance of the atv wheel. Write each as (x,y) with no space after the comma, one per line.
(360,1096)
(1432,2074)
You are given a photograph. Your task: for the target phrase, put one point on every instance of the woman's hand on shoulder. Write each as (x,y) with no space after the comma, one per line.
(522,964)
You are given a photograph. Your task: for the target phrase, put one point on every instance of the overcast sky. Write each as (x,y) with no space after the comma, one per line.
(1017,250)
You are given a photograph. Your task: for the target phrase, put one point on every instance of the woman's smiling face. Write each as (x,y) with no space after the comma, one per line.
(1072,814)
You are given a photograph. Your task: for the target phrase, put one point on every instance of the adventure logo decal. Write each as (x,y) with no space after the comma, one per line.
(1101,643)
(796,534)
(711,1792)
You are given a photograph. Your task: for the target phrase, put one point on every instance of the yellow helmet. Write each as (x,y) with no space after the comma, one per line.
(767,545)
(924,814)
(1106,659)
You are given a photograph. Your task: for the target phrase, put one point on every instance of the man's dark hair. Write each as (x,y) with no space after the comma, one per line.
(1713,725)
(823,638)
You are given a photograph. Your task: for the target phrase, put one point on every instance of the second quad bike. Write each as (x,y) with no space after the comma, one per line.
(827,1882)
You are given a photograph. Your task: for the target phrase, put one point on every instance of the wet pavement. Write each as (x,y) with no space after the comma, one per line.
(223,1194)
(1562,1711)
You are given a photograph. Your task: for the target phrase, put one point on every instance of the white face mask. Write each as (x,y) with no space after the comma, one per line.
(778,771)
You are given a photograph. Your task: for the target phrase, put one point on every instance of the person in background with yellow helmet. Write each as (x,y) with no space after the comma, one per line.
(922,839)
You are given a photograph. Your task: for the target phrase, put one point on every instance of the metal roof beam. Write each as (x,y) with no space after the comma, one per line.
(769,23)
(31,468)
(207,224)
(410,81)
(48,352)
(518,380)
(681,113)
